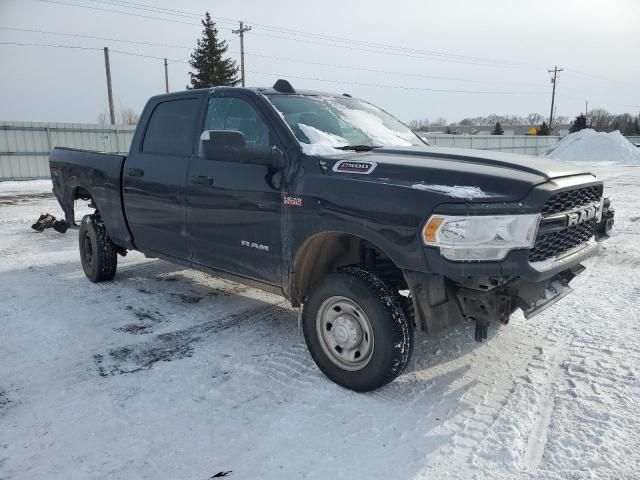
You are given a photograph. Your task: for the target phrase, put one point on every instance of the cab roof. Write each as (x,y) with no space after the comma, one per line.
(281,87)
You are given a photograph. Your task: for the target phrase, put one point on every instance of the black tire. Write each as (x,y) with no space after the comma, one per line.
(392,335)
(97,252)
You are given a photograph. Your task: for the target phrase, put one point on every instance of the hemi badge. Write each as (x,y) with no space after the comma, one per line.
(293,201)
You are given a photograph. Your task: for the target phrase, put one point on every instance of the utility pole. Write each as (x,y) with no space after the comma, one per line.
(553,95)
(586,107)
(166,76)
(241,31)
(109,92)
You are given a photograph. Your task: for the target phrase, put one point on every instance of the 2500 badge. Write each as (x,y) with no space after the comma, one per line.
(348,166)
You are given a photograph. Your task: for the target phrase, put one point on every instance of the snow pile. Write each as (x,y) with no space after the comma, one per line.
(455,191)
(18,187)
(591,146)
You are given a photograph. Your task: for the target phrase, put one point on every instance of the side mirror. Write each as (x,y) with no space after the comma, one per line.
(215,144)
(230,146)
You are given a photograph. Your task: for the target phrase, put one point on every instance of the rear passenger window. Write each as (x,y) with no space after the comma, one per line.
(170,129)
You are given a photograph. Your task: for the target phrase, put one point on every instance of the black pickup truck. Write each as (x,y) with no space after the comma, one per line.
(332,203)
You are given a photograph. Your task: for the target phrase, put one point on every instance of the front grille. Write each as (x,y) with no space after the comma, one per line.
(564,201)
(550,245)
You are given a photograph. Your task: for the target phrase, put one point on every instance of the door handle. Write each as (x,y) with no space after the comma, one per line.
(135,172)
(202,180)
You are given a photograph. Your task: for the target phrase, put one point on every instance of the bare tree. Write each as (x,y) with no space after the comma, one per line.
(124,116)
(534,119)
(600,120)
(419,125)
(128,117)
(440,122)
(102,119)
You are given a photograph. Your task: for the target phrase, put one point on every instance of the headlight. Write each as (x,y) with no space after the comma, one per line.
(480,237)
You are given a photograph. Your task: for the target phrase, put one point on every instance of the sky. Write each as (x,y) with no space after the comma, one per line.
(416,59)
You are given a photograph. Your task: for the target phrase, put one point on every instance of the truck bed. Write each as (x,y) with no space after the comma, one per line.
(75,171)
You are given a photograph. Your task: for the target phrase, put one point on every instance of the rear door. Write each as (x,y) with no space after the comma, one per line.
(233,209)
(154,178)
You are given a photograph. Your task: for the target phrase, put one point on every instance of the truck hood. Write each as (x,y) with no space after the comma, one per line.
(473,175)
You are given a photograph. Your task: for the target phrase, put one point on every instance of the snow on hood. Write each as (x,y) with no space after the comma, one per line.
(455,191)
(589,146)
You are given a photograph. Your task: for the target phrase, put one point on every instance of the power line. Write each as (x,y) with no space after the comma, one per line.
(401,87)
(117,11)
(20,44)
(417,53)
(398,53)
(288,59)
(77,47)
(108,39)
(351,44)
(289,31)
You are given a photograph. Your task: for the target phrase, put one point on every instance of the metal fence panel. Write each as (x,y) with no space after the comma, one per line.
(524,144)
(25,146)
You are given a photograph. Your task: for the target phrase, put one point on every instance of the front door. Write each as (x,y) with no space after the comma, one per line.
(154,179)
(233,209)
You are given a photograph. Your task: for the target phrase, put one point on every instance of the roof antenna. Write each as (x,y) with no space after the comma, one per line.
(283,86)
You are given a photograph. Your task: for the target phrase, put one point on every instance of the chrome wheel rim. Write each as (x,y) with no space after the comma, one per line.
(345,333)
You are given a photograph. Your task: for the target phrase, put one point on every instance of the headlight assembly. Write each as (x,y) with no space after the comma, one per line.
(481,237)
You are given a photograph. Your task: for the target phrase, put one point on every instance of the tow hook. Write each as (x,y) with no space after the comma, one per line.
(604,229)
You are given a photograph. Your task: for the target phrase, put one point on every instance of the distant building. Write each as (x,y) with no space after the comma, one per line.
(509,130)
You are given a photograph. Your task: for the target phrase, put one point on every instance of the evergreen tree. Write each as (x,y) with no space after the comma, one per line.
(544,129)
(210,68)
(497,130)
(580,123)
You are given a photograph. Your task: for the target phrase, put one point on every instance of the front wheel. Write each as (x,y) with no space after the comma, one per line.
(356,330)
(97,252)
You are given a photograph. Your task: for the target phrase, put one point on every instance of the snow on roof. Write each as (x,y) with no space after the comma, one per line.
(590,146)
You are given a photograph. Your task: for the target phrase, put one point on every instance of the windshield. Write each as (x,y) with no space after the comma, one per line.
(324,124)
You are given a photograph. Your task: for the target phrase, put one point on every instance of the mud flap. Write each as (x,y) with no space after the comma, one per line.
(555,291)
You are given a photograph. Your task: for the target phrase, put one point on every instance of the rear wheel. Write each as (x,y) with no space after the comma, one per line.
(356,330)
(97,252)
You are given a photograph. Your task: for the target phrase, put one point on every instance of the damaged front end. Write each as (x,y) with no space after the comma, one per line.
(498,304)
(529,279)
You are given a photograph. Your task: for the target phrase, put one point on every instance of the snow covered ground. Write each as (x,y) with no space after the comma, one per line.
(166,373)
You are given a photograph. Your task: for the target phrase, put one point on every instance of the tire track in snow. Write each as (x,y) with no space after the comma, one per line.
(549,367)
(175,344)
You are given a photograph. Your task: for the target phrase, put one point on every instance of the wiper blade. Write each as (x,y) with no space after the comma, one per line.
(358,148)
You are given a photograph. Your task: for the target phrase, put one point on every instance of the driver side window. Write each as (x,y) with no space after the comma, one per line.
(229,113)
